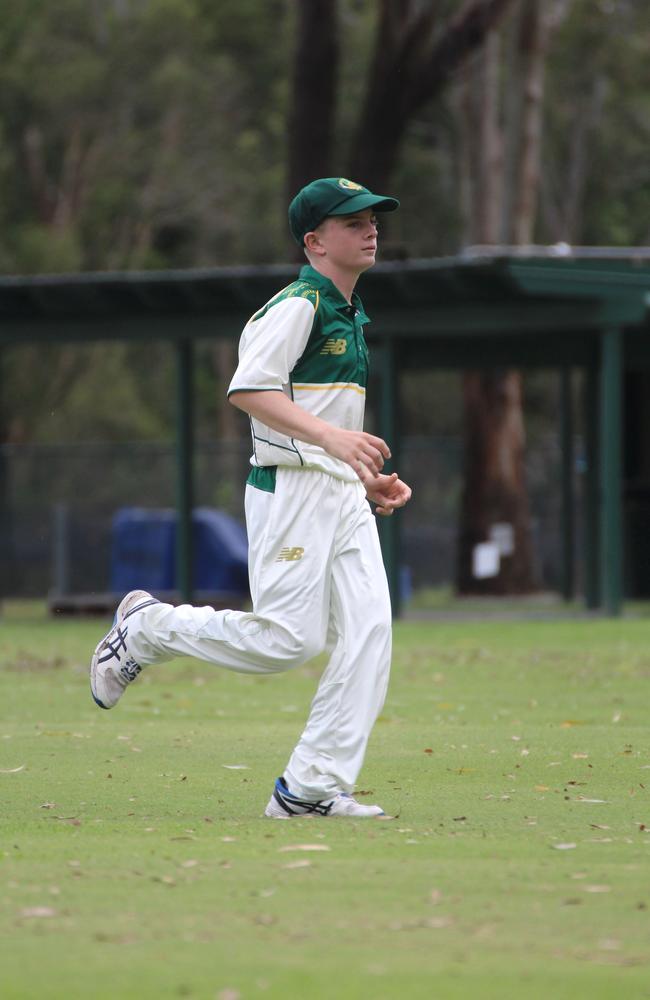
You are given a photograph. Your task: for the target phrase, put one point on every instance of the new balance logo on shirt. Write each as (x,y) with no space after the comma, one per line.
(332,346)
(319,358)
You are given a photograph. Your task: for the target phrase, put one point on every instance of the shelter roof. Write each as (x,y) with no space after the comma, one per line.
(612,288)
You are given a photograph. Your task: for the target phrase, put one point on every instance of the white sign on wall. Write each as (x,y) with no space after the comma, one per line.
(486,559)
(503,536)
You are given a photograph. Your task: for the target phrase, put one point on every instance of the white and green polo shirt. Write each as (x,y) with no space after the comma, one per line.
(307,342)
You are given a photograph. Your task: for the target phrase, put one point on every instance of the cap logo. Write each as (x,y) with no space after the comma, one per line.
(349,185)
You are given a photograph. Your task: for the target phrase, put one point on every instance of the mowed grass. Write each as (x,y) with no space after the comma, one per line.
(516,758)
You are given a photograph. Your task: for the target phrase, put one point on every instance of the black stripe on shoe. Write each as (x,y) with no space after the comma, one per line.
(115,645)
(139,607)
(285,799)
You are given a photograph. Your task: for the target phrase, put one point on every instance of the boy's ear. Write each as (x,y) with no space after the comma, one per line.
(313,244)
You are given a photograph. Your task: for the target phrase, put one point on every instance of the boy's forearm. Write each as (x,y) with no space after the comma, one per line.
(276,410)
(364,452)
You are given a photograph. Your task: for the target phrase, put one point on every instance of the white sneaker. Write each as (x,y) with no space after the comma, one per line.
(284,805)
(112,668)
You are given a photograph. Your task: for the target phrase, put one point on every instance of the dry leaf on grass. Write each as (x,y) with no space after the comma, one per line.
(437,923)
(303,863)
(14,770)
(563,847)
(165,879)
(303,847)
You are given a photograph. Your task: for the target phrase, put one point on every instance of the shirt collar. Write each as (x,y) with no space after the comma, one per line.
(326,285)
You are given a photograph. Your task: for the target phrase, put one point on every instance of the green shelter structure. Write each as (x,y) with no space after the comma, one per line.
(569,310)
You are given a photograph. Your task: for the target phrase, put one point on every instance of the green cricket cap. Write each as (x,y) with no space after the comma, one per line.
(332,196)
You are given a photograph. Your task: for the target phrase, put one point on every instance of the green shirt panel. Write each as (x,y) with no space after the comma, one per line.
(262,477)
(336,350)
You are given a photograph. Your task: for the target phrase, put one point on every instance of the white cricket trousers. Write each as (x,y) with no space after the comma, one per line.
(317,581)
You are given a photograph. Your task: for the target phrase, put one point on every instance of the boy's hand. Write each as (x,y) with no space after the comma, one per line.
(388,493)
(364,452)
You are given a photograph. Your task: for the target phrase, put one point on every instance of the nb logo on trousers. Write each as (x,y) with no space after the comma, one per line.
(290,554)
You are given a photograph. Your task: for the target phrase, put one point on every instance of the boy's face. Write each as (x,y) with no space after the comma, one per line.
(348,241)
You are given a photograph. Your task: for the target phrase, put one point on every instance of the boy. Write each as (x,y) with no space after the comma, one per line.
(316,574)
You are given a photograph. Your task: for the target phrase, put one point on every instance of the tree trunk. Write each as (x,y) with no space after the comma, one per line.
(313,94)
(532,44)
(563,195)
(414,62)
(412,65)
(494,487)
(489,155)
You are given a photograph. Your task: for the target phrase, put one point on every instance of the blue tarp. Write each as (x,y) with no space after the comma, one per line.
(143,551)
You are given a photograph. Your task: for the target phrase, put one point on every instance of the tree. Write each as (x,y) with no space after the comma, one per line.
(313,93)
(153,133)
(414,59)
(416,55)
(131,131)
(130,137)
(494,487)
(595,187)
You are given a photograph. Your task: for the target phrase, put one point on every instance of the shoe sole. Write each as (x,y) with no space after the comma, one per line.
(93,668)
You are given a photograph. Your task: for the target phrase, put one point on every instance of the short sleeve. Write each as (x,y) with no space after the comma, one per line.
(271,345)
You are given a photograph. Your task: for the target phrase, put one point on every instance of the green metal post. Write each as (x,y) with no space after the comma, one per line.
(5,527)
(568,462)
(184,467)
(611,517)
(389,527)
(591,546)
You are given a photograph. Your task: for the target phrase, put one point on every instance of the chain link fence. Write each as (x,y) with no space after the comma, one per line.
(60,500)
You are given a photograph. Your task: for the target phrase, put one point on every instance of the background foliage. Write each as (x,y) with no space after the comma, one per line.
(153,134)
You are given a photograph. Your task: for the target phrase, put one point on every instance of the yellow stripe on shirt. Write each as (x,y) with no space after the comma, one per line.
(310,387)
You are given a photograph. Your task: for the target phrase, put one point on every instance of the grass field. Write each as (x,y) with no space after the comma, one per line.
(516,757)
